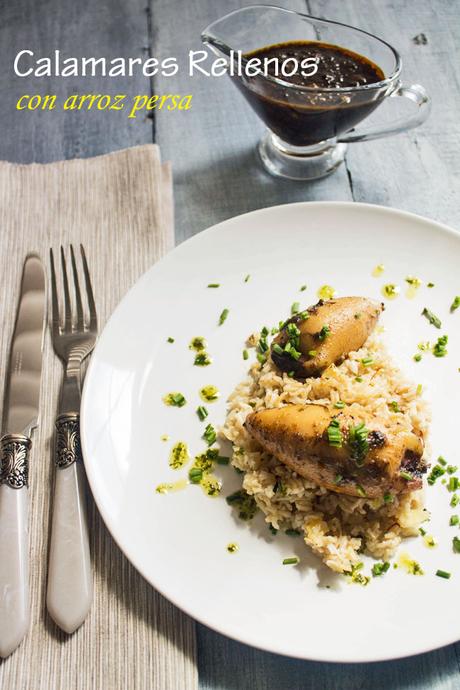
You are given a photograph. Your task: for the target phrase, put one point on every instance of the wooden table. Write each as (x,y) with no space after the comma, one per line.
(217,176)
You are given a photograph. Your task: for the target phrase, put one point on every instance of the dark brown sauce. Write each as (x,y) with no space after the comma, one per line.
(303,118)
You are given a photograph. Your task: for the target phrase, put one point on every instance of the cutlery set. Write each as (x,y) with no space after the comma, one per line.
(69,590)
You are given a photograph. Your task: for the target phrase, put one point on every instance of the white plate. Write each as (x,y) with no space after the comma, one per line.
(178,541)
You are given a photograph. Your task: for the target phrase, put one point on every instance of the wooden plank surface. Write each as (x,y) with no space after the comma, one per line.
(417,171)
(109,28)
(217,175)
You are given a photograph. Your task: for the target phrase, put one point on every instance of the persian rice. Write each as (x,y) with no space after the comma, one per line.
(338,528)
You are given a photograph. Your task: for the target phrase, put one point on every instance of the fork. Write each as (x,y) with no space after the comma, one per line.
(69,592)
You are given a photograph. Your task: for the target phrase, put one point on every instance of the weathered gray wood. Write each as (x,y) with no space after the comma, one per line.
(420,170)
(108,28)
(227,665)
(216,171)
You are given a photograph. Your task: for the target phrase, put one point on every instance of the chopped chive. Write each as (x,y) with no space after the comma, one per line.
(359,379)
(291,374)
(263,345)
(432,318)
(380,568)
(334,434)
(312,353)
(451,469)
(456,544)
(439,348)
(455,304)
(195,475)
(291,561)
(245,354)
(261,358)
(419,390)
(430,285)
(442,461)
(443,573)
(174,399)
(406,475)
(210,435)
(388,498)
(292,533)
(202,359)
(278,349)
(358,442)
(393,405)
(339,405)
(367,361)
(436,472)
(291,350)
(170,340)
(303,288)
(214,285)
(324,332)
(454,520)
(454,501)
(338,479)
(247,278)
(272,529)
(223,317)
(453,484)
(422,531)
(360,490)
(295,308)
(222,460)
(417,357)
(202,413)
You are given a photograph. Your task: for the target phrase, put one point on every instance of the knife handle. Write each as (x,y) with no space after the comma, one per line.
(70,589)
(14,546)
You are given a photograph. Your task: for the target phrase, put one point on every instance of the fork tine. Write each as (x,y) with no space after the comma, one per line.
(67,307)
(78,303)
(89,291)
(54,299)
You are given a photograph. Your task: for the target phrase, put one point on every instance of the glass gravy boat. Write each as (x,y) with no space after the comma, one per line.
(309,127)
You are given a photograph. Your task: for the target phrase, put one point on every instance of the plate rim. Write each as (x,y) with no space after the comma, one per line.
(241,637)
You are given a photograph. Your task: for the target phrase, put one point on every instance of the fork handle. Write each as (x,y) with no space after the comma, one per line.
(70,590)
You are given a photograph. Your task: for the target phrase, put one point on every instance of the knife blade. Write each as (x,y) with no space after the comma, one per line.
(20,417)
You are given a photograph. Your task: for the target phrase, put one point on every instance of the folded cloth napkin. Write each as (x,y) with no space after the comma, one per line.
(119,206)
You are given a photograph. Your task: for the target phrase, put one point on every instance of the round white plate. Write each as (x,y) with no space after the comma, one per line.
(178,541)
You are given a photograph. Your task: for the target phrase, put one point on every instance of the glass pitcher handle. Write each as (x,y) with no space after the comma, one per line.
(414,93)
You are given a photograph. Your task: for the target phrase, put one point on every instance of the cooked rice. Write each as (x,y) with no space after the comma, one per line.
(335,526)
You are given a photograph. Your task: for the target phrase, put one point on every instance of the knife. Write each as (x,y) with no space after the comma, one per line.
(20,417)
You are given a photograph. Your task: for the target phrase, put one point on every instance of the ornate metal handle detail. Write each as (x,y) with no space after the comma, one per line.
(14,464)
(68,447)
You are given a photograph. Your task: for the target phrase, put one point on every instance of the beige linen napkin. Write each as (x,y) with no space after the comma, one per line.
(120,207)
